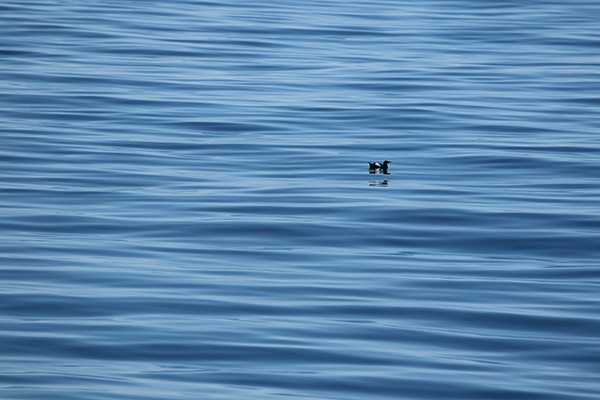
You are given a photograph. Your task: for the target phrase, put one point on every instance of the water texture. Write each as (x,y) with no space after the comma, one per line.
(187,211)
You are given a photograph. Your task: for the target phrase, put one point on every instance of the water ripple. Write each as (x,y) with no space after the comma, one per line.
(187,209)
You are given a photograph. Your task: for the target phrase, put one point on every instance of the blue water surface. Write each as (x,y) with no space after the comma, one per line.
(187,210)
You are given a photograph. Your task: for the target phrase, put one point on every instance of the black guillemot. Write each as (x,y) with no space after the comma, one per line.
(376,165)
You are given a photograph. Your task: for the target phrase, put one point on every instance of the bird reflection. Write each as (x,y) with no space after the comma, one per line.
(378,183)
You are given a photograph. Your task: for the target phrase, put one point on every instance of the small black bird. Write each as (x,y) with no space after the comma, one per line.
(376,165)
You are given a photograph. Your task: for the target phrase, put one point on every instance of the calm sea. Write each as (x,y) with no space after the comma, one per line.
(187,212)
